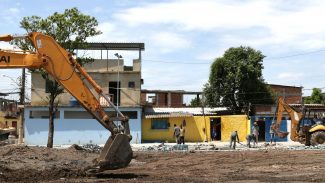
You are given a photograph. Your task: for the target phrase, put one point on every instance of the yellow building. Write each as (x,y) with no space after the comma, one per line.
(8,115)
(158,124)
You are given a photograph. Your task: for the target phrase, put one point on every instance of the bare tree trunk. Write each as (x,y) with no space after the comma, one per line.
(51,121)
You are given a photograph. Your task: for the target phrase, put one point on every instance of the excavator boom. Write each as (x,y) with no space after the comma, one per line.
(60,64)
(295,118)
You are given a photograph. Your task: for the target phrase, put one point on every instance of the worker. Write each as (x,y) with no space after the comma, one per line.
(177,132)
(255,131)
(249,139)
(233,138)
(182,135)
(272,137)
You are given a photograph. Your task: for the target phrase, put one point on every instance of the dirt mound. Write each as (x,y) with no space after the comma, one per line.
(40,164)
(22,163)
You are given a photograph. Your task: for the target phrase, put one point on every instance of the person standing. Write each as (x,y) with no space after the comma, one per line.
(233,138)
(272,137)
(214,133)
(249,139)
(255,132)
(176,133)
(182,135)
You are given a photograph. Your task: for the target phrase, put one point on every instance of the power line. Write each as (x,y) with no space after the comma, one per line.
(176,62)
(201,63)
(295,55)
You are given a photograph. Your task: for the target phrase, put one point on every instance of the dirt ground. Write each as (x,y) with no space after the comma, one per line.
(39,164)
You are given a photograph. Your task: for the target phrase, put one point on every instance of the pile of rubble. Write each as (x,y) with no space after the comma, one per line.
(164,147)
(319,147)
(93,148)
(191,147)
(180,147)
(206,147)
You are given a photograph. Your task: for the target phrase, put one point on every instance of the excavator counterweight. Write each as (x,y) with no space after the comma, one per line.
(60,64)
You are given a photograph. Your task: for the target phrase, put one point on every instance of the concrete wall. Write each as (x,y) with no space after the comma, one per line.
(267,122)
(197,128)
(73,131)
(194,129)
(110,65)
(128,96)
(232,123)
(102,72)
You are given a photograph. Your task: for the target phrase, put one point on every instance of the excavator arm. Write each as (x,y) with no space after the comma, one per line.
(295,118)
(60,64)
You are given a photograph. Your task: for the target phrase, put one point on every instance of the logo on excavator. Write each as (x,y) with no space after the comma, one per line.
(5,59)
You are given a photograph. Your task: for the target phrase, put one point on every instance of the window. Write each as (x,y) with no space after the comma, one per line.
(159,124)
(77,115)
(131,84)
(42,114)
(131,114)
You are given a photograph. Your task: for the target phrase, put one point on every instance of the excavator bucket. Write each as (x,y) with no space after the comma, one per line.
(281,134)
(117,153)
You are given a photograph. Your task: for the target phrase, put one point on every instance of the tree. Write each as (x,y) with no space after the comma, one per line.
(236,80)
(69,29)
(196,102)
(316,97)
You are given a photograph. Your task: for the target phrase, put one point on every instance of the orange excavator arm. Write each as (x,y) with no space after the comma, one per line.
(60,64)
(295,118)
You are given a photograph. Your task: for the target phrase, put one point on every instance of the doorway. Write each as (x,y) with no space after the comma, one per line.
(113,91)
(215,129)
(14,124)
(261,135)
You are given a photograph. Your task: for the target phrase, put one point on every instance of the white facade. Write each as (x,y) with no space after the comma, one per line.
(74,125)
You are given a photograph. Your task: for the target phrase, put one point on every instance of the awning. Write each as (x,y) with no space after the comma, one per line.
(168,115)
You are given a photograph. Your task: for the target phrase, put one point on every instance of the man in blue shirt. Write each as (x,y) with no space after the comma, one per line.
(233,138)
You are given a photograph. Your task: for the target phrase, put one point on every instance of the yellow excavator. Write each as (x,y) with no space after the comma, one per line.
(60,64)
(304,128)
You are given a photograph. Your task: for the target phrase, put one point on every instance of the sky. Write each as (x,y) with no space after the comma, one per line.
(183,37)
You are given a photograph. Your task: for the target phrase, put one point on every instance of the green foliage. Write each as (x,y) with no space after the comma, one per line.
(236,80)
(316,97)
(69,29)
(196,102)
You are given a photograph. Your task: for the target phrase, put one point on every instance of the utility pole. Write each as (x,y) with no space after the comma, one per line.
(22,103)
(118,80)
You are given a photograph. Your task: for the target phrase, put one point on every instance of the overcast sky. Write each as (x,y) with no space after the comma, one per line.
(182,38)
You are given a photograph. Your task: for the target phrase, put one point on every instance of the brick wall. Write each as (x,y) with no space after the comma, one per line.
(161,100)
(291,94)
(176,100)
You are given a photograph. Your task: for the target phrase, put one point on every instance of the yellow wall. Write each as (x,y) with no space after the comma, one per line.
(9,121)
(232,123)
(194,130)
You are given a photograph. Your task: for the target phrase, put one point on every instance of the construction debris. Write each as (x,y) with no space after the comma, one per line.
(92,148)
(41,164)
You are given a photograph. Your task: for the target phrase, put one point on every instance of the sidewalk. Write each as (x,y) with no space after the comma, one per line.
(206,146)
(221,146)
